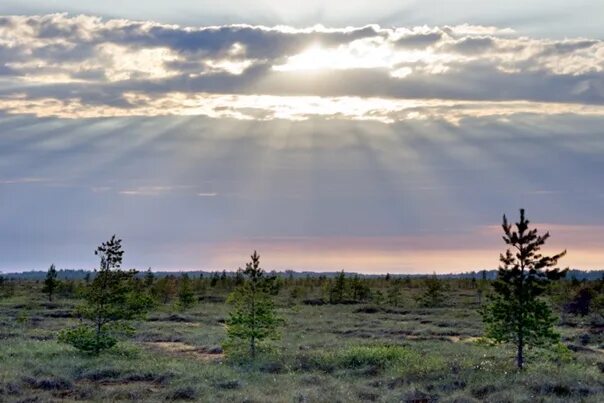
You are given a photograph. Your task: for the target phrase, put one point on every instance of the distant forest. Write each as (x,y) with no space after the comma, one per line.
(486,274)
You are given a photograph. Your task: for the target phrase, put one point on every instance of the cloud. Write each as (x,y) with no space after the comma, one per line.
(419,40)
(147,191)
(85,66)
(473,46)
(294,108)
(17,181)
(161,190)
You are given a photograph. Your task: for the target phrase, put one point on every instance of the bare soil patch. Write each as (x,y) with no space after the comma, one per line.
(206,354)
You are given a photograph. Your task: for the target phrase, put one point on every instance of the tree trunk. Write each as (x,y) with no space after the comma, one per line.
(520,355)
(253,338)
(253,347)
(97,349)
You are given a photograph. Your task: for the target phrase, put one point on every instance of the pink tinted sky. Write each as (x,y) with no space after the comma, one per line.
(443,253)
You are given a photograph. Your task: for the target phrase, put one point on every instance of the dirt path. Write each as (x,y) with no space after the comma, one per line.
(453,339)
(182,349)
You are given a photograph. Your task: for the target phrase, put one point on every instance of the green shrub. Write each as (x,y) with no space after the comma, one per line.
(561,353)
(380,356)
(86,339)
(398,359)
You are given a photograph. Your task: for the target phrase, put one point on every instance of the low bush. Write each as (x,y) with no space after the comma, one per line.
(380,356)
(10,389)
(100,374)
(54,383)
(228,384)
(376,358)
(85,339)
(184,393)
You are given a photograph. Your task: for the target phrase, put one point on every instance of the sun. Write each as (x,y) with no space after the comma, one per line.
(356,55)
(313,58)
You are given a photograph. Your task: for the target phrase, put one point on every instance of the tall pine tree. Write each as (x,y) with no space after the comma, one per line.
(186,296)
(516,314)
(50,282)
(337,292)
(111,300)
(253,318)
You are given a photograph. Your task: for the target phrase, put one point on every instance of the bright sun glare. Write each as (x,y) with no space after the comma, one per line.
(365,54)
(358,54)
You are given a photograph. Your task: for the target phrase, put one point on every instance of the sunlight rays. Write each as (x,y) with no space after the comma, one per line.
(328,180)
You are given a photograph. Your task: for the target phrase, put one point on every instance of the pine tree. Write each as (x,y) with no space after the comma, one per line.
(164,289)
(433,296)
(394,293)
(200,286)
(273,284)
(239,279)
(581,303)
(516,314)
(50,283)
(223,279)
(338,290)
(111,300)
(214,279)
(378,297)
(186,297)
(6,288)
(253,318)
(359,288)
(149,278)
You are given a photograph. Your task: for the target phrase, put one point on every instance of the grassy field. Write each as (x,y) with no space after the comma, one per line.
(327,353)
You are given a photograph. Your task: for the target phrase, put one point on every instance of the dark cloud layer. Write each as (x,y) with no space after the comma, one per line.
(87,63)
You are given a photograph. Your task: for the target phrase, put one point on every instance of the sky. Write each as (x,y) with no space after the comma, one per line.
(383,136)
